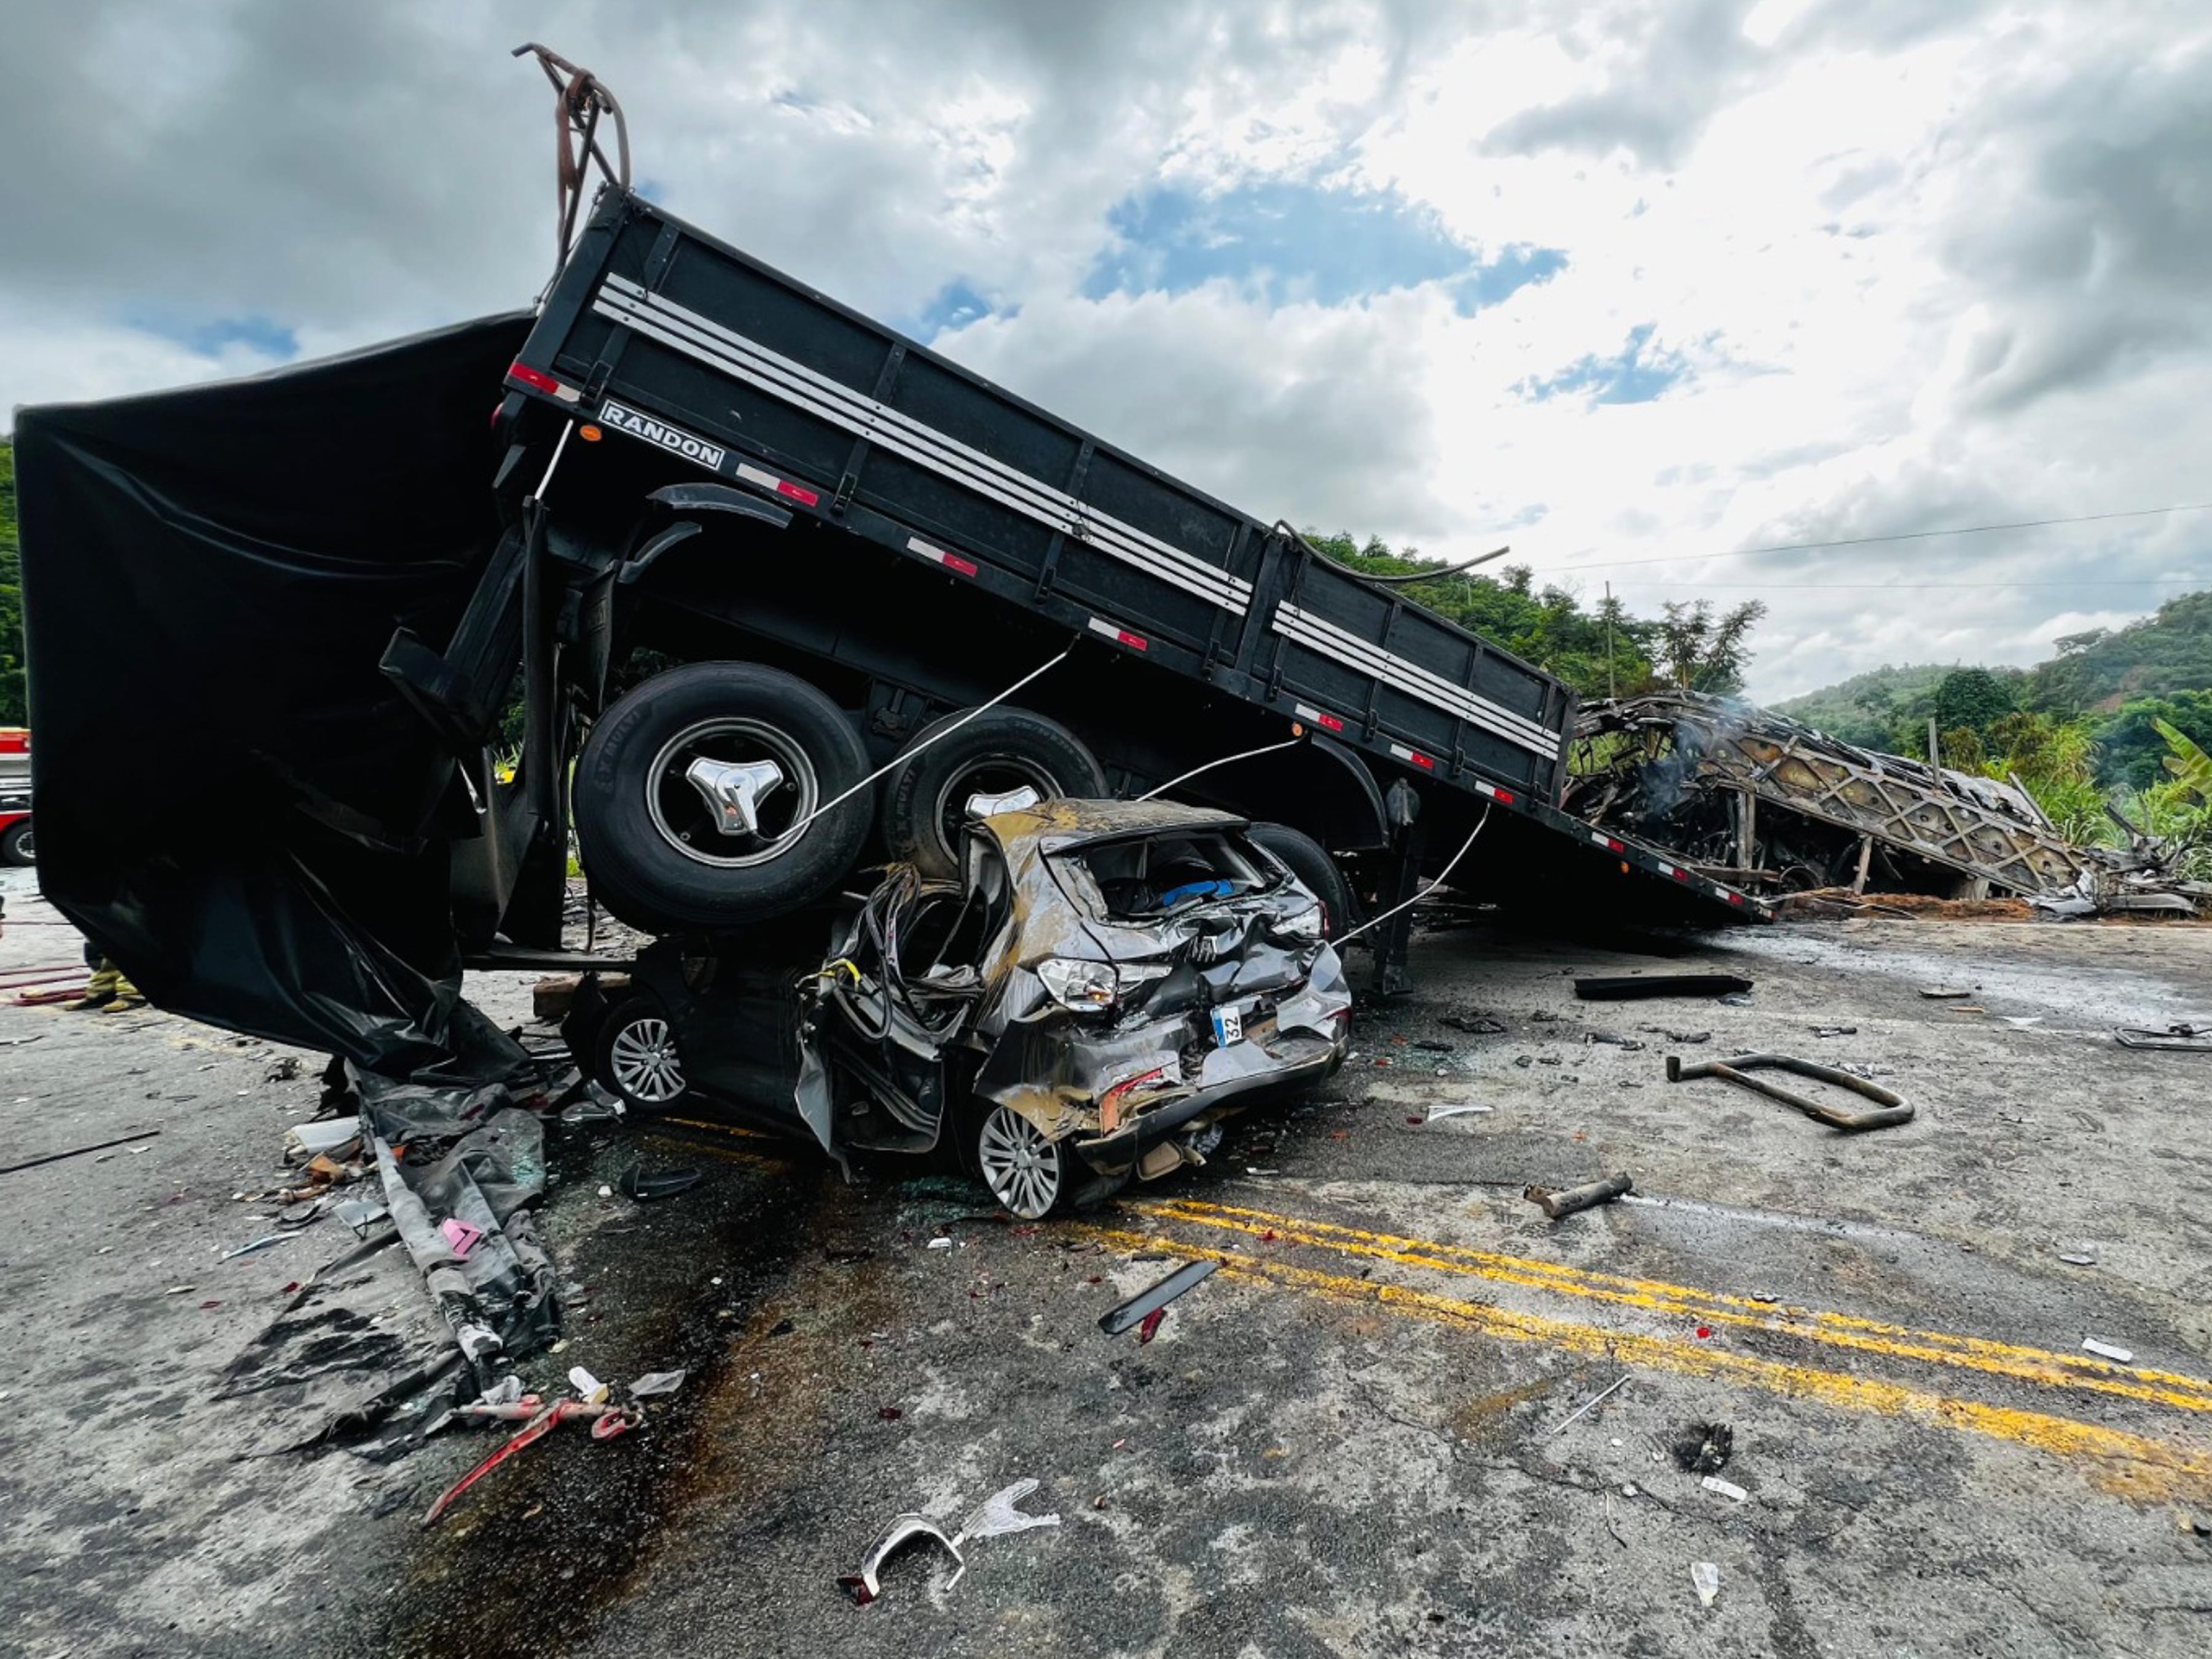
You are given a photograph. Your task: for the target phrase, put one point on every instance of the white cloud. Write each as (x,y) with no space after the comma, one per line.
(1920,266)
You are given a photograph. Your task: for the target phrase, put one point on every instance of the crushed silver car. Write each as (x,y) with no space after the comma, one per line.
(1103,985)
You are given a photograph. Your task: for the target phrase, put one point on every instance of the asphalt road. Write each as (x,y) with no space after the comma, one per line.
(1358,1438)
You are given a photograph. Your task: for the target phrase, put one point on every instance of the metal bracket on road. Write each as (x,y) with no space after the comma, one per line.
(1890,1109)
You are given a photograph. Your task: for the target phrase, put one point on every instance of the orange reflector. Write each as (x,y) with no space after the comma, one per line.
(589,434)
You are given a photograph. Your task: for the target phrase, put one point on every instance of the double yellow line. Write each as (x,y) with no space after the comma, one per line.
(2134,1465)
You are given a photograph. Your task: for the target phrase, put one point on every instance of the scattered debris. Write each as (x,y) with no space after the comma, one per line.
(2186,1039)
(285,1068)
(1154,1299)
(1150,1325)
(1000,1513)
(78,1152)
(606,1421)
(1455,1109)
(1477,1027)
(1589,1404)
(1938,993)
(1725,1488)
(1636,987)
(589,1388)
(939,1242)
(655,1383)
(1687,1038)
(1835,1031)
(360,1214)
(2106,1351)
(1705,1579)
(2079,1256)
(662,1183)
(903,1531)
(325,1137)
(1891,1108)
(1557,1204)
(460,1235)
(1705,1448)
(1612,1037)
(251,1245)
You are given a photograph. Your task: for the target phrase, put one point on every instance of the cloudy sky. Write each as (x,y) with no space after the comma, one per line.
(1629,285)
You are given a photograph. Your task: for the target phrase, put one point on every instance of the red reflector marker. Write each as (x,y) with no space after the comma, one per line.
(537,380)
(1134,641)
(798,493)
(1613,846)
(1506,795)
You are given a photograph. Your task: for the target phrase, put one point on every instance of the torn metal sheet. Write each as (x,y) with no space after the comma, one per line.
(1105,983)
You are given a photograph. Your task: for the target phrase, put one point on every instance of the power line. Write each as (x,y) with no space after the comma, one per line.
(1900,536)
(1838,587)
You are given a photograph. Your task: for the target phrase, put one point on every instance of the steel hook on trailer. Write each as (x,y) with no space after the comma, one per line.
(1890,1109)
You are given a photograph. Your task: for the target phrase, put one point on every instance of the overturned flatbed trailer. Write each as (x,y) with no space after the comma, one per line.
(762,577)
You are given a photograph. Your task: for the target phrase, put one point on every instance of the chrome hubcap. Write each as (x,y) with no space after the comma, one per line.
(642,1058)
(1020,1166)
(731,793)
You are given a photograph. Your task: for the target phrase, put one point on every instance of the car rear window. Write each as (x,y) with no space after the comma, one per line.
(1152,876)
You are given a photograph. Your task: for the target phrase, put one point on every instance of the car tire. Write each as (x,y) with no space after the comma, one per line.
(635,1054)
(1031,1175)
(1309,860)
(15,848)
(658,856)
(999,750)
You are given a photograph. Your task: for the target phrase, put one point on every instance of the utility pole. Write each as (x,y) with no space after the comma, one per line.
(1610,690)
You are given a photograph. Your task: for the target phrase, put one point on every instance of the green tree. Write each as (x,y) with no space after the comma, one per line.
(2133,753)
(1973,698)
(15,704)
(1700,652)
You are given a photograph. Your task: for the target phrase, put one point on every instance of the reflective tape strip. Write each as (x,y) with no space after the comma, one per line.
(949,561)
(1418,759)
(766,480)
(1330,721)
(698,336)
(1118,634)
(1330,641)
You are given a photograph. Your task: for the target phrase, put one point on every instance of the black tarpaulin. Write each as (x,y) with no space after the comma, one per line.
(232,799)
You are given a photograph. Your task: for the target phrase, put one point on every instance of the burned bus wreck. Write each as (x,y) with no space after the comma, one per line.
(1765,802)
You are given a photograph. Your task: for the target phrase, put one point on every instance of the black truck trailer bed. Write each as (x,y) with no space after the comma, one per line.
(656,334)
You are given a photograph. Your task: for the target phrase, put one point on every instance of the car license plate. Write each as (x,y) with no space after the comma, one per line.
(1228,1027)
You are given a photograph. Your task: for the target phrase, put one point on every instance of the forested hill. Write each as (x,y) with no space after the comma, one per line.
(2093,674)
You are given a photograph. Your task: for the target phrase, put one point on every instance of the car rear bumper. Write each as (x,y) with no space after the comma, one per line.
(1297,1058)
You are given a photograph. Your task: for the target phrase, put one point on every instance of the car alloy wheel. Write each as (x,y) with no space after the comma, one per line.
(1024,1169)
(643,1060)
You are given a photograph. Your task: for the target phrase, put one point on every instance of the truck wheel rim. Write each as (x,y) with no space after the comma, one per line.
(1023,1169)
(642,1058)
(682,819)
(999,776)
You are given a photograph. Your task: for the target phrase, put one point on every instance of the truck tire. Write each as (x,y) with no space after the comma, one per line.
(1311,863)
(15,847)
(925,799)
(659,857)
